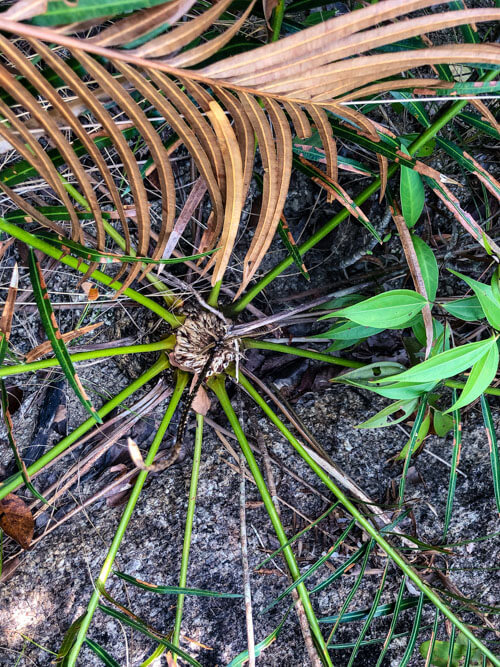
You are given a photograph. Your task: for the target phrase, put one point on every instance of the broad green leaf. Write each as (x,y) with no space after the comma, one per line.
(404,390)
(412,194)
(442,423)
(482,374)
(339,302)
(60,12)
(428,266)
(379,370)
(389,310)
(349,331)
(468,309)
(52,330)
(419,330)
(487,299)
(384,417)
(495,285)
(447,363)
(441,653)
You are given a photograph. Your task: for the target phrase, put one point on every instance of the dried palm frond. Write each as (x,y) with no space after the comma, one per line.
(216,111)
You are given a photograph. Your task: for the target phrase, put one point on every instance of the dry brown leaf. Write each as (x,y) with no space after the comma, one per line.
(46,346)
(16,520)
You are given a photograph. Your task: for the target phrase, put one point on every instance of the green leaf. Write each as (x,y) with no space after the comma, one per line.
(101,653)
(419,330)
(93,255)
(52,330)
(69,639)
(494,453)
(291,246)
(384,417)
(447,363)
(442,423)
(488,301)
(441,653)
(482,374)
(495,284)
(174,590)
(416,439)
(468,309)
(138,625)
(412,194)
(60,12)
(428,266)
(348,331)
(389,310)
(242,658)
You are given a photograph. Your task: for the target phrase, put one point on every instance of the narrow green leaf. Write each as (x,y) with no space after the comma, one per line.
(448,363)
(416,439)
(398,607)
(242,658)
(428,266)
(173,590)
(482,374)
(101,653)
(93,255)
(60,12)
(68,639)
(123,618)
(385,418)
(291,246)
(412,194)
(468,309)
(419,430)
(495,285)
(494,453)
(455,457)
(369,617)
(414,633)
(52,330)
(389,310)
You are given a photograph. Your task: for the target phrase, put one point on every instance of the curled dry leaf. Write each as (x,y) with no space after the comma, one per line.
(16,520)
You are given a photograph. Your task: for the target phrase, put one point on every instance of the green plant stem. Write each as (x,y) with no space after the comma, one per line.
(15,481)
(428,134)
(165,292)
(299,352)
(159,346)
(181,382)
(277,20)
(492,391)
(364,523)
(34,242)
(213,297)
(217,384)
(193,488)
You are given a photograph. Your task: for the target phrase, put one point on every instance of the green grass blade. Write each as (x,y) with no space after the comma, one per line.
(494,454)
(451,645)
(414,632)
(455,458)
(296,537)
(335,575)
(370,617)
(52,330)
(242,658)
(386,609)
(173,590)
(398,606)
(311,570)
(411,444)
(101,653)
(123,618)
(291,246)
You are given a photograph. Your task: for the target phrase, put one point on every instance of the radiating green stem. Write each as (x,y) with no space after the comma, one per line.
(428,134)
(195,473)
(299,352)
(218,386)
(364,523)
(213,297)
(165,292)
(78,265)
(15,481)
(159,346)
(182,379)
